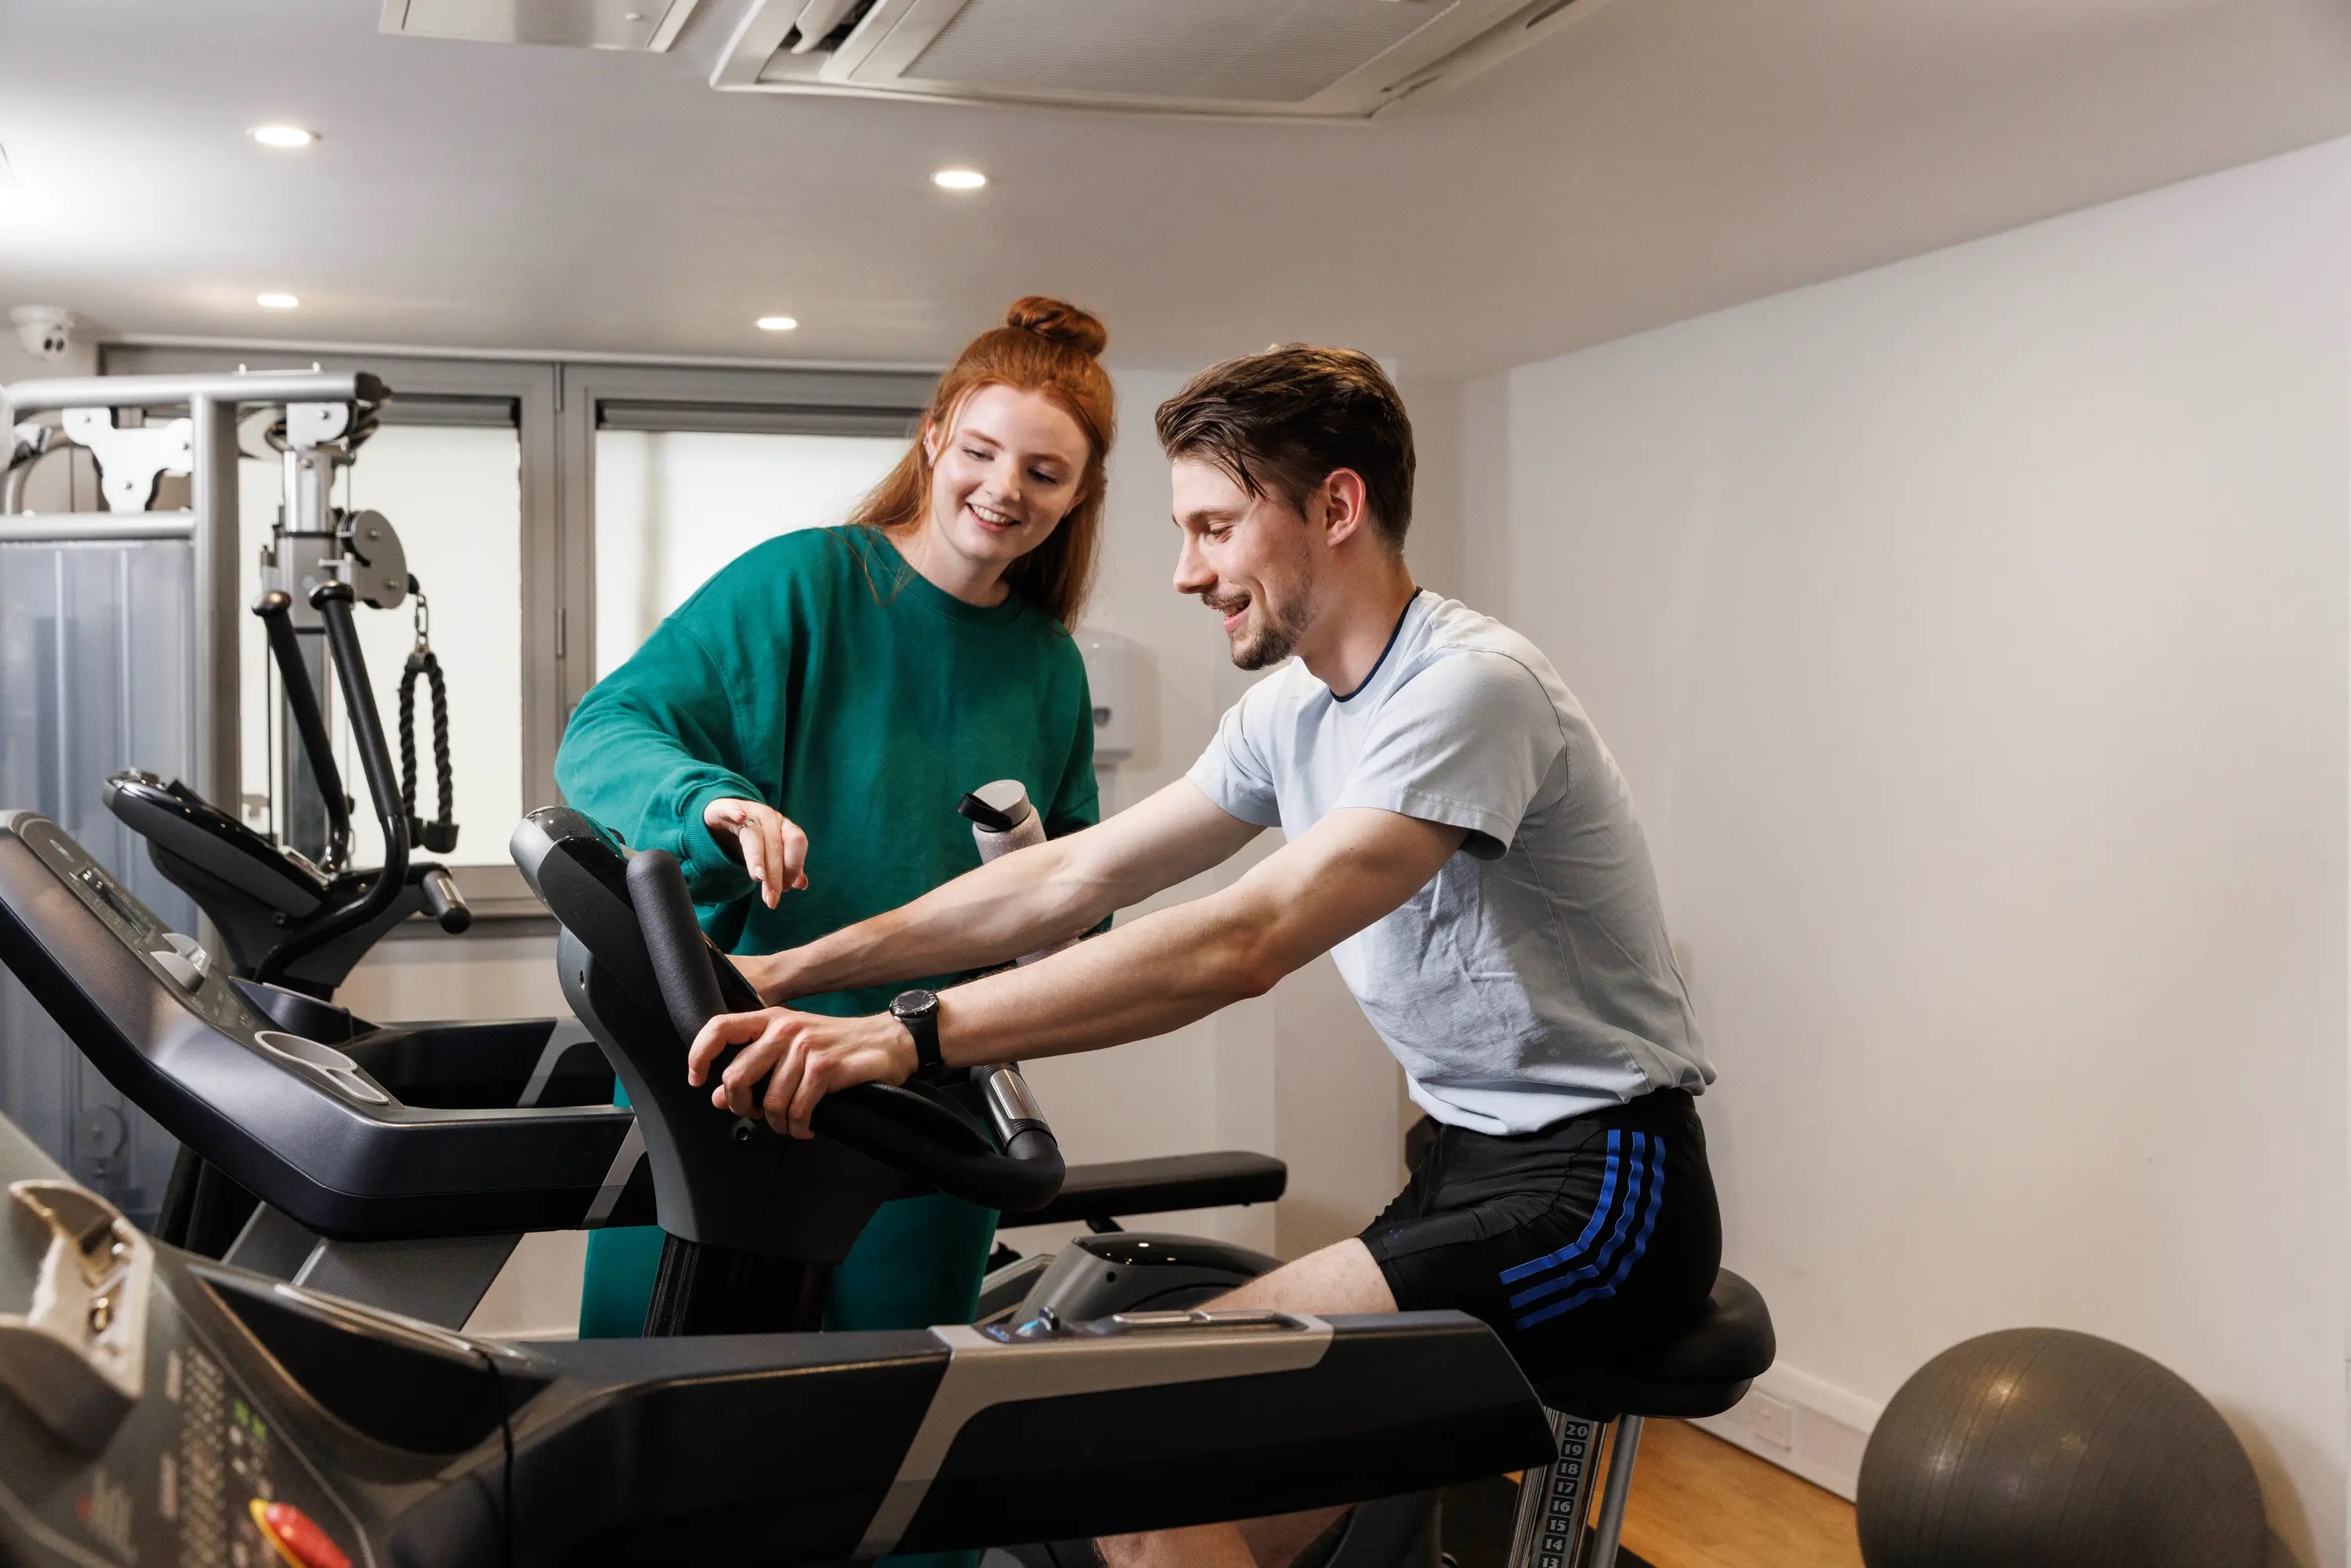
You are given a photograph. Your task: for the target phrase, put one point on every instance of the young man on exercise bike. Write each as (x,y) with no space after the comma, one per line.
(1458,839)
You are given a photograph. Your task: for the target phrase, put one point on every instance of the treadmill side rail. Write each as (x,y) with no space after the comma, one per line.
(804,1448)
(984,1373)
(1395,1403)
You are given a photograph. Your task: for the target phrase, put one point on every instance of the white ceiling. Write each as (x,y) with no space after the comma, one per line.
(1659,159)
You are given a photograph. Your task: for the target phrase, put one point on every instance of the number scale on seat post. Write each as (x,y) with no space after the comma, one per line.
(1548,1532)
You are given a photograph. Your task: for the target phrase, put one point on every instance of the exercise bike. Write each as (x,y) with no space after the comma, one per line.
(1591,1410)
(733,1266)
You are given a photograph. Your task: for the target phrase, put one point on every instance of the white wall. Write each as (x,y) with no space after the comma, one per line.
(1973,633)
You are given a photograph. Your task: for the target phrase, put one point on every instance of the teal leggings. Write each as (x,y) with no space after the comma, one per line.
(918,1262)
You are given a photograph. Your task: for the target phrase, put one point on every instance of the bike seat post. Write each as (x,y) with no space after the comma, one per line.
(1548,1530)
(1622,1453)
(1702,1371)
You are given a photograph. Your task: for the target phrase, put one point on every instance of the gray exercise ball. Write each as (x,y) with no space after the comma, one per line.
(2047,1449)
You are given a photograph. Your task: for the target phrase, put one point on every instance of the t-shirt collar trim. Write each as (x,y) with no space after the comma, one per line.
(1372,674)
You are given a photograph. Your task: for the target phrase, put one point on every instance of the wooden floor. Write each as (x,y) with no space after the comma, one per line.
(1700,1502)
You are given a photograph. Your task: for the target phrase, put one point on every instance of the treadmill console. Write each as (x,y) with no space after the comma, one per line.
(478,1139)
(127,1433)
(186,971)
(179,823)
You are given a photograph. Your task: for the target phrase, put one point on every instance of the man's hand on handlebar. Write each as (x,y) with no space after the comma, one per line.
(770,845)
(803,1057)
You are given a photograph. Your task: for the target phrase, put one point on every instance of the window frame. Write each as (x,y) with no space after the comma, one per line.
(558,407)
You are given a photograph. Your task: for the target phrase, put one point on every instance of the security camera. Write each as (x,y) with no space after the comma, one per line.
(45,332)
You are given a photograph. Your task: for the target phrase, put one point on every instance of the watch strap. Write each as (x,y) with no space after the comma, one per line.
(922,1023)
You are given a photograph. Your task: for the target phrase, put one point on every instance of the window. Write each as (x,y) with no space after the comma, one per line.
(673,506)
(670,473)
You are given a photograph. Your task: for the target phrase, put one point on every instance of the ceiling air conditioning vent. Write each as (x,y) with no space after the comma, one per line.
(1313,59)
(582,24)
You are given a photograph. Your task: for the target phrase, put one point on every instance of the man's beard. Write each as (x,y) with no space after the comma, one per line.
(1273,642)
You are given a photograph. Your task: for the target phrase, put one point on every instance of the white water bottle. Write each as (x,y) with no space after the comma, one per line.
(1003,818)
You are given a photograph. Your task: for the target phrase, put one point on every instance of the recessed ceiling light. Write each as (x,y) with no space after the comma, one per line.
(275,302)
(776,323)
(958,179)
(282,135)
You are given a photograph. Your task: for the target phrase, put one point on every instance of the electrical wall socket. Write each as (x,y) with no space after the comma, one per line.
(1770,1420)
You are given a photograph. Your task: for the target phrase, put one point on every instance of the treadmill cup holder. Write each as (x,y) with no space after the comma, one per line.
(338,1071)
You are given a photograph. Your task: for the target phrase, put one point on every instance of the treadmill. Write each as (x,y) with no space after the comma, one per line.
(360,1142)
(159,1407)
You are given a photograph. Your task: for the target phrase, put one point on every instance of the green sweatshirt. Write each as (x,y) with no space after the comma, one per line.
(820,673)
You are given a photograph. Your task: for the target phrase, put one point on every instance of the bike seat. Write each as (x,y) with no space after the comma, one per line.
(1702,1371)
(1121,1189)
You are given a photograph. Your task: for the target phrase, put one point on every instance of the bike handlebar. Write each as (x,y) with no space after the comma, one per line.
(913,1127)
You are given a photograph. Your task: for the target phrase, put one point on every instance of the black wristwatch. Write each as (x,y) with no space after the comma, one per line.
(919,1011)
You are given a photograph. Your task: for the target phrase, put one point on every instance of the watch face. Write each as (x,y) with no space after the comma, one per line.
(907,1004)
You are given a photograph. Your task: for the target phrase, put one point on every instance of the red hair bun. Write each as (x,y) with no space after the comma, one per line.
(1059,322)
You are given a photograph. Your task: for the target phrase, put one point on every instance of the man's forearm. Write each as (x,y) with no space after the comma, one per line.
(1152,975)
(1005,909)
(1167,968)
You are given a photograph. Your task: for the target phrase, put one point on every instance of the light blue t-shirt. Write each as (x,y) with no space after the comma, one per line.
(1531,979)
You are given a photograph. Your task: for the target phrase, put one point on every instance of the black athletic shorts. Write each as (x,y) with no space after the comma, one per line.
(1590,1238)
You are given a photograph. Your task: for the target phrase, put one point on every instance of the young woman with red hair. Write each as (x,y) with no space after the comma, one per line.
(798,732)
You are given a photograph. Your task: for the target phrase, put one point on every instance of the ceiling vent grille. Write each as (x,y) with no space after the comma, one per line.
(1319,60)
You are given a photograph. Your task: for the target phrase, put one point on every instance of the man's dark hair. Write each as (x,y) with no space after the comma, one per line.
(1283,422)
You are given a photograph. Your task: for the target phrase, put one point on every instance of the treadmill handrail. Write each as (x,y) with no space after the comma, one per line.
(346,1170)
